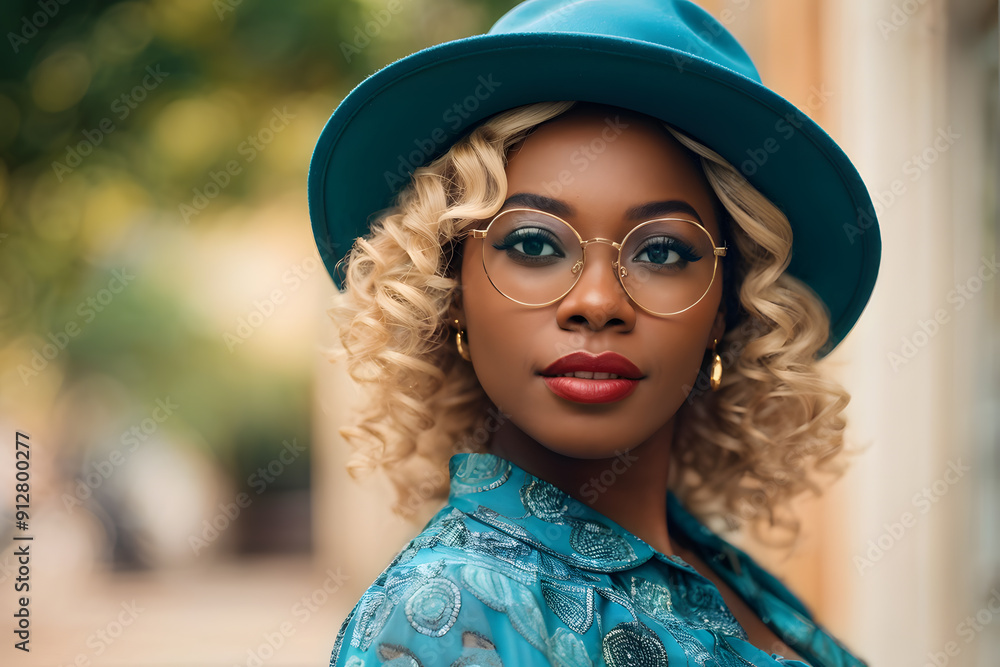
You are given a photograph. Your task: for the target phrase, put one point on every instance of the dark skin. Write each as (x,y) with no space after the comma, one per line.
(597,168)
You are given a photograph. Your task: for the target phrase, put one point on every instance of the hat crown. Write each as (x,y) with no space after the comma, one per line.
(667,59)
(675,24)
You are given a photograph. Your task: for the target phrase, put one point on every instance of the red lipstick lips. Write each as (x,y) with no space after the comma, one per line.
(587,378)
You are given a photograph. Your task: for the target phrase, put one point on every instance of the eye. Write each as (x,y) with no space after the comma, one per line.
(666,251)
(530,243)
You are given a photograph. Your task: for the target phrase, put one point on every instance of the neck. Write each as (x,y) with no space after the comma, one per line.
(629,488)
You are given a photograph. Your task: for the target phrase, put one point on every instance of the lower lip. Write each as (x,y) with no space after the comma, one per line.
(581,390)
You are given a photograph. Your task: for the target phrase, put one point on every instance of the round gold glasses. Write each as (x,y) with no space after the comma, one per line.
(665,265)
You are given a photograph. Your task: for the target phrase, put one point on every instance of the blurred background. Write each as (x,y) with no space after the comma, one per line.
(163,325)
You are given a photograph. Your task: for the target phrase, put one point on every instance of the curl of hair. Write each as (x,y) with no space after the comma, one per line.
(745,451)
(425,403)
(741,453)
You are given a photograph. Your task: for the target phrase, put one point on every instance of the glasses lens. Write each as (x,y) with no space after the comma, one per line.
(535,258)
(669,265)
(532,257)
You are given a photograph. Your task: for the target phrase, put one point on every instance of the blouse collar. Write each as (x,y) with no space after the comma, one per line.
(507,498)
(501,495)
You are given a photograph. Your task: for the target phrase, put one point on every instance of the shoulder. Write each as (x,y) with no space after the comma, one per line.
(780,610)
(455,596)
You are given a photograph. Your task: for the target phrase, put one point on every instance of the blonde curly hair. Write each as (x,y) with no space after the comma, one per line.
(741,453)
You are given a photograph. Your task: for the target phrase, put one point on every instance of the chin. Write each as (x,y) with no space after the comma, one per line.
(596,453)
(590,444)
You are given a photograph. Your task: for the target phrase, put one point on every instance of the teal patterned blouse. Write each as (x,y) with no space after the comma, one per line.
(513,571)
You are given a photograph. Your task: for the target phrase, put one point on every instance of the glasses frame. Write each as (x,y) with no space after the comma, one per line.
(620,271)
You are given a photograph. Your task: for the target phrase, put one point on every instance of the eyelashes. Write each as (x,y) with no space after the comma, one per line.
(531,242)
(659,250)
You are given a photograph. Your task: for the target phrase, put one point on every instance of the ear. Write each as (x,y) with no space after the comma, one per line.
(718,327)
(455,309)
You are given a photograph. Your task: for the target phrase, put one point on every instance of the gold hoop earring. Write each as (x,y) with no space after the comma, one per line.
(464,353)
(715,375)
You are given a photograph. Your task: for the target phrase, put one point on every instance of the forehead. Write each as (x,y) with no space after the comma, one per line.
(601,162)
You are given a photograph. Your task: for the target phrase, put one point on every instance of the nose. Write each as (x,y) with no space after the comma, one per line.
(597,300)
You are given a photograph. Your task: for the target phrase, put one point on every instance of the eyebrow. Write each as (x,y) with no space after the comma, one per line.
(655,209)
(642,212)
(540,202)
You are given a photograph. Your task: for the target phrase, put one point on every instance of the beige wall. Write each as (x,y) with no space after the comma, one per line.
(911,77)
(353,526)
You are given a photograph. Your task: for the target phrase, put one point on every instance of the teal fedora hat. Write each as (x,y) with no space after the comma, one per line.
(665,58)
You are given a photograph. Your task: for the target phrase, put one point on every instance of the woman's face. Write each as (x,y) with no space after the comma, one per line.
(590,166)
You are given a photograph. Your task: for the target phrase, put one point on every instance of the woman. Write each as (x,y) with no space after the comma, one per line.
(601,325)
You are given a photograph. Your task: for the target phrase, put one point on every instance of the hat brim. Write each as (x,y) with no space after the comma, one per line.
(414,109)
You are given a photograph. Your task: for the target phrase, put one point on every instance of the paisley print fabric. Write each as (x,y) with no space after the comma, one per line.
(514,572)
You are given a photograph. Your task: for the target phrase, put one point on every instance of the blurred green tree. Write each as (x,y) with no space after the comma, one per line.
(115,120)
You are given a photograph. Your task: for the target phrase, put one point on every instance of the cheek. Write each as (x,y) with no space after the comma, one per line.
(681,346)
(677,360)
(493,325)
